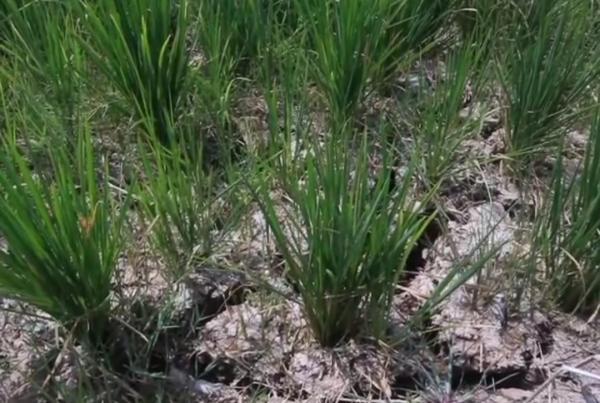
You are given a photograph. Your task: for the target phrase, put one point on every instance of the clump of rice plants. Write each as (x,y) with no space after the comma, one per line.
(180,205)
(547,73)
(568,233)
(440,128)
(235,38)
(140,46)
(475,16)
(411,26)
(5,12)
(43,43)
(373,137)
(229,38)
(63,238)
(345,240)
(242,32)
(345,36)
(354,44)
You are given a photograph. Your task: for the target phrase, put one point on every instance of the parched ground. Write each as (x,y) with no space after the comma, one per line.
(236,342)
(233,330)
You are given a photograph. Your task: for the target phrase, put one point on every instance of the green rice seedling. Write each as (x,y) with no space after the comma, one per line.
(568,232)
(241,31)
(344,239)
(357,43)
(180,205)
(489,24)
(4,22)
(473,13)
(345,37)
(222,48)
(486,15)
(30,118)
(62,236)
(43,43)
(285,80)
(547,73)
(5,14)
(411,27)
(440,127)
(140,46)
(416,22)
(236,40)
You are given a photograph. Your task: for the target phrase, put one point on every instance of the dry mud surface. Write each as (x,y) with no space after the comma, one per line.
(259,346)
(234,342)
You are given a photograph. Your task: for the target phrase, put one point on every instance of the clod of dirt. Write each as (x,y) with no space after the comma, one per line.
(479,184)
(491,123)
(506,395)
(315,372)
(416,261)
(214,289)
(573,341)
(489,227)
(482,335)
(251,120)
(258,340)
(485,341)
(482,349)
(22,339)
(251,245)
(516,351)
(358,369)
(271,346)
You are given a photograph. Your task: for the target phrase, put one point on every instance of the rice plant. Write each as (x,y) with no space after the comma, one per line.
(411,27)
(43,44)
(440,128)
(345,240)
(485,15)
(297,99)
(5,13)
(140,46)
(548,72)
(241,32)
(180,206)
(568,232)
(358,43)
(222,46)
(63,238)
(236,40)
(344,36)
